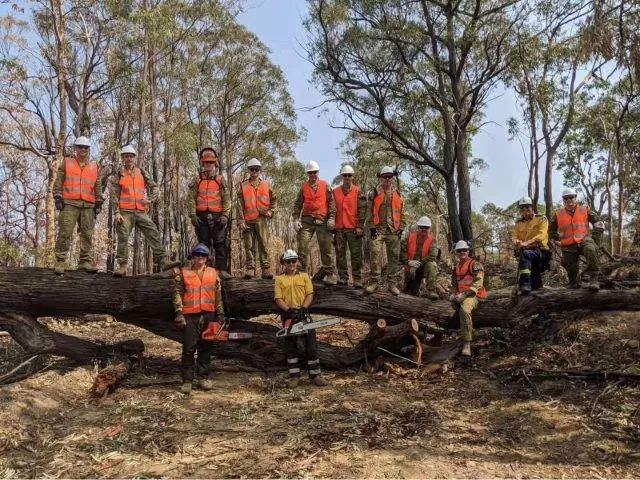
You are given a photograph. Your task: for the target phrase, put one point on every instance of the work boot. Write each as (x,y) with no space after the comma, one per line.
(358,284)
(342,281)
(204,384)
(330,279)
(121,271)
(168,265)
(373,288)
(318,381)
(59,268)
(224,275)
(433,295)
(593,285)
(525,289)
(394,290)
(466,349)
(185,388)
(88,267)
(248,275)
(266,274)
(293,382)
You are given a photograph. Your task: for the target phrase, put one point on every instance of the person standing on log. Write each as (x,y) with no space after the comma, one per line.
(418,254)
(77,192)
(132,191)
(531,242)
(256,203)
(316,204)
(570,228)
(209,200)
(468,282)
(197,302)
(351,212)
(293,296)
(387,224)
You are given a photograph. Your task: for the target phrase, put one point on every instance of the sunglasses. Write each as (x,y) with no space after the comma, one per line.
(569,198)
(312,173)
(424,228)
(82,147)
(386,177)
(289,262)
(347,175)
(254,169)
(199,255)
(462,250)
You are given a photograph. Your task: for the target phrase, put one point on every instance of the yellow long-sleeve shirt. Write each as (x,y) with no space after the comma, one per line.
(534,231)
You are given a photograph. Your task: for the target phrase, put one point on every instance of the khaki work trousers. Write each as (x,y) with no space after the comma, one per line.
(325,242)
(256,237)
(391,242)
(428,271)
(571,261)
(142,222)
(465,310)
(348,239)
(70,216)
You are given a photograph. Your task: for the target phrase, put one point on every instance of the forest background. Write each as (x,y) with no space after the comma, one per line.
(410,84)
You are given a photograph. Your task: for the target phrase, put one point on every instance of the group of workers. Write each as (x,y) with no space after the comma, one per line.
(339,218)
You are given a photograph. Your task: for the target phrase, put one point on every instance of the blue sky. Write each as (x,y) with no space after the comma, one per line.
(278,23)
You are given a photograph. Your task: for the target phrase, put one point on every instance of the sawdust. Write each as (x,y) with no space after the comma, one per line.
(481,418)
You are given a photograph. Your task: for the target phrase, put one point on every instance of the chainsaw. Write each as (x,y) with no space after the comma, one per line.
(305,325)
(218,332)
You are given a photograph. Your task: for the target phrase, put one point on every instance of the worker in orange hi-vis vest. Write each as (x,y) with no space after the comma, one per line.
(210,205)
(570,228)
(77,192)
(197,303)
(256,204)
(468,283)
(351,213)
(418,254)
(316,204)
(387,224)
(132,192)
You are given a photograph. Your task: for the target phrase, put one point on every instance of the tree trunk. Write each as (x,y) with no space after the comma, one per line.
(452,210)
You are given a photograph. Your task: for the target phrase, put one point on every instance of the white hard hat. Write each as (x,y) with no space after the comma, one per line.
(569,192)
(347,169)
(386,170)
(254,162)
(312,166)
(128,149)
(599,225)
(461,245)
(525,201)
(82,141)
(424,222)
(289,255)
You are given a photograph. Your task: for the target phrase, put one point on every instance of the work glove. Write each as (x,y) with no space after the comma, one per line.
(297,225)
(331,224)
(119,217)
(359,232)
(59,203)
(179,321)
(374,232)
(399,233)
(414,263)
(242,225)
(223,219)
(195,220)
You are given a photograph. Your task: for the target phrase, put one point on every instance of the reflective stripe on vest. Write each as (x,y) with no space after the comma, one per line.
(79,182)
(346,207)
(199,295)
(315,204)
(464,277)
(255,200)
(209,195)
(573,229)
(396,208)
(132,190)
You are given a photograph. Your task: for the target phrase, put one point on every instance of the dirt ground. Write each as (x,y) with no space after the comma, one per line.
(482,418)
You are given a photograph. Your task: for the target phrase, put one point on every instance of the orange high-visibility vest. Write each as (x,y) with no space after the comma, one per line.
(79,182)
(413,245)
(573,229)
(132,190)
(315,204)
(346,207)
(256,200)
(199,295)
(209,195)
(396,208)
(464,277)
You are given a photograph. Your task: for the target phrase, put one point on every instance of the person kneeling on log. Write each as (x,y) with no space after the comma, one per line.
(418,254)
(468,280)
(197,303)
(293,295)
(531,242)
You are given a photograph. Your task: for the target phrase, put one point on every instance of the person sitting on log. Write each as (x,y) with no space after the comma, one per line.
(468,281)
(198,302)
(531,241)
(293,296)
(570,228)
(418,254)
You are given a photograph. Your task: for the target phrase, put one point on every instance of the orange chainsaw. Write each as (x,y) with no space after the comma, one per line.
(218,332)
